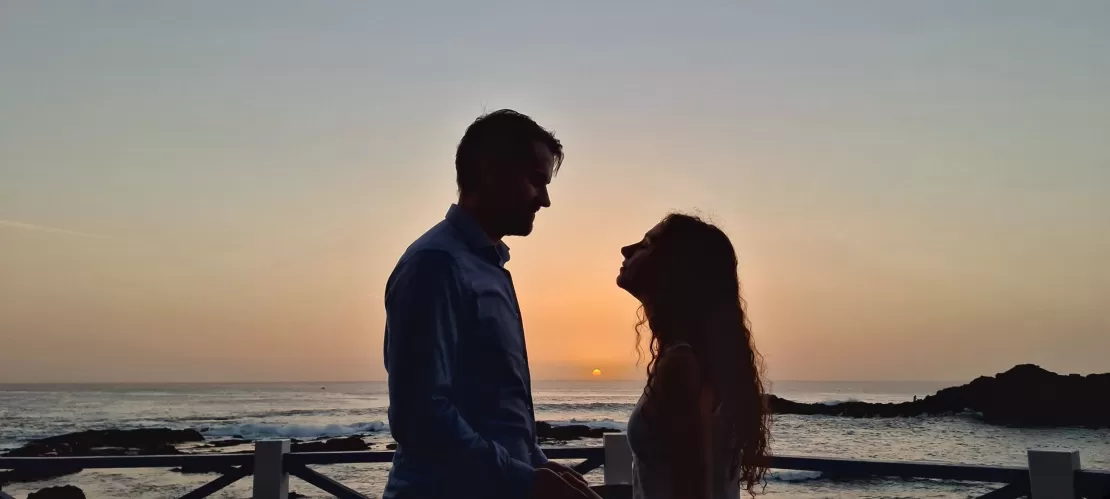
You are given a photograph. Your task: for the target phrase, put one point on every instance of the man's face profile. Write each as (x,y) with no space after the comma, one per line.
(520,188)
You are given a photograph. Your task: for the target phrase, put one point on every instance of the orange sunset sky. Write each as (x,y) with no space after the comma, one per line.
(210,191)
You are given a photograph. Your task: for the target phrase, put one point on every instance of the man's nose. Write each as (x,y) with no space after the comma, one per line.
(544,199)
(626,251)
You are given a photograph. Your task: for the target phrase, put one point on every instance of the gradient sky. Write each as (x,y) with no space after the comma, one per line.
(217,191)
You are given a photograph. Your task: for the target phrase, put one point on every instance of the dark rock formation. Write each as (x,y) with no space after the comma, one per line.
(147,441)
(545,431)
(392,446)
(852,409)
(332,445)
(63,492)
(227,442)
(1026,395)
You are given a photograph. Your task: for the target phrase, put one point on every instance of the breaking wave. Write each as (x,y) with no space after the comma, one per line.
(592,423)
(838,402)
(793,476)
(587,407)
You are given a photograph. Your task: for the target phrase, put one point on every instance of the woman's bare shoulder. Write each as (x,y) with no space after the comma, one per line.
(678,367)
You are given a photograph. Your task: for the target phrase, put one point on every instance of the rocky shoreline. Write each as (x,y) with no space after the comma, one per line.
(1026,395)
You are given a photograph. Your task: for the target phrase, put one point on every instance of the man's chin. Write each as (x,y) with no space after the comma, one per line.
(522,230)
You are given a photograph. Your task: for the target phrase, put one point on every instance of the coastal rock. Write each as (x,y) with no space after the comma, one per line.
(352,443)
(63,492)
(146,441)
(227,442)
(1026,395)
(392,446)
(546,431)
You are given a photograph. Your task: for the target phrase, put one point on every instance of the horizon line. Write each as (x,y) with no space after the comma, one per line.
(337,382)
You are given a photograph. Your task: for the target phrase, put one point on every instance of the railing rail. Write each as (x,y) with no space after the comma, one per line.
(1050,475)
(856,468)
(1092,483)
(102,462)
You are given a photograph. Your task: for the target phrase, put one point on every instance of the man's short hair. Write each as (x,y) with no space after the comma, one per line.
(502,137)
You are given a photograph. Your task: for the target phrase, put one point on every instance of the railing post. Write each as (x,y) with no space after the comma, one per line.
(618,459)
(1052,473)
(270,479)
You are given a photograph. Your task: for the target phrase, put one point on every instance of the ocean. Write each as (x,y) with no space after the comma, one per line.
(310,410)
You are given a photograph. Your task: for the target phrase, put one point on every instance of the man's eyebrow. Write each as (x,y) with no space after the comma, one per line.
(542,173)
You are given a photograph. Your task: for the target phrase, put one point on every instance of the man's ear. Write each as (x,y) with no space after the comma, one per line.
(487,174)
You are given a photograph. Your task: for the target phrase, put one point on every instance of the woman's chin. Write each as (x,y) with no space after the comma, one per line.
(623,283)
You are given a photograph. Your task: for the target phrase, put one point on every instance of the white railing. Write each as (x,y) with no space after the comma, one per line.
(1050,474)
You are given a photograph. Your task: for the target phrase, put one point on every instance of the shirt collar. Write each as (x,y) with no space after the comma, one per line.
(475,237)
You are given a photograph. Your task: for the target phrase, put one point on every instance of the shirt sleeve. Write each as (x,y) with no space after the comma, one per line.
(421,301)
(538,457)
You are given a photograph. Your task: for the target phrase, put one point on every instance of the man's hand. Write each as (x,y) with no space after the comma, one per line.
(566,472)
(549,484)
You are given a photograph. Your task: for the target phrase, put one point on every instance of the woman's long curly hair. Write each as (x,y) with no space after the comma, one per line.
(694,297)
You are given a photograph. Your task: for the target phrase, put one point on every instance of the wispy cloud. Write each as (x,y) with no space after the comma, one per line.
(11,224)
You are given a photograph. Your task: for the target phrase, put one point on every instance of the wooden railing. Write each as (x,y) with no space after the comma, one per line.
(1050,474)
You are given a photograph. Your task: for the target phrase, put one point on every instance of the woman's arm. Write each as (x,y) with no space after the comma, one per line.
(675,407)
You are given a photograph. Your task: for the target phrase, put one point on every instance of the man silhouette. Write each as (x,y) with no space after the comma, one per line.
(459,385)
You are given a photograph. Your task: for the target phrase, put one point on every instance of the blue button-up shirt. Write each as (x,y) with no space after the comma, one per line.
(460,399)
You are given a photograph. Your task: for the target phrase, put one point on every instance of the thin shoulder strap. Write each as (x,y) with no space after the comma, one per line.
(716,406)
(679,344)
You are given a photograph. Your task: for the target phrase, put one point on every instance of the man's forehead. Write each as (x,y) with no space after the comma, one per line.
(542,152)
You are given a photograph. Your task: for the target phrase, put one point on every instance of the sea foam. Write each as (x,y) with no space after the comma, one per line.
(592,423)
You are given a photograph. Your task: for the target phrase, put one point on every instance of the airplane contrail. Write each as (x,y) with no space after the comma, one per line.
(11,224)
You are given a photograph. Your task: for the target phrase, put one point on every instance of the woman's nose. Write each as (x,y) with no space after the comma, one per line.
(627,251)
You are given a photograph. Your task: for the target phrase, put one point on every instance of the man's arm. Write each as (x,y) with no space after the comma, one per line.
(538,457)
(420,356)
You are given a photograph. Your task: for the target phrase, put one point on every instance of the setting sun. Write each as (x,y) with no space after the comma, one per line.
(597,372)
